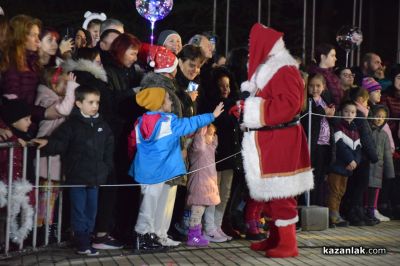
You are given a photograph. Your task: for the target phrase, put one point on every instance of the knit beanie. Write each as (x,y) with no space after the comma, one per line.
(151,98)
(89,16)
(370,84)
(164,36)
(14,110)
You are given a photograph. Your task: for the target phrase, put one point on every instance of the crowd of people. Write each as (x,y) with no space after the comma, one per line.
(106,108)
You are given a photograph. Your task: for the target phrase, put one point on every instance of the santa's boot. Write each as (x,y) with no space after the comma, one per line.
(195,237)
(287,244)
(269,242)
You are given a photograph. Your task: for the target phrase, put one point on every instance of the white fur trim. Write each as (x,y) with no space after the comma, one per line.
(3,194)
(167,69)
(264,189)
(250,86)
(89,16)
(252,112)
(20,205)
(278,47)
(265,72)
(10,96)
(283,223)
(85,65)
(277,58)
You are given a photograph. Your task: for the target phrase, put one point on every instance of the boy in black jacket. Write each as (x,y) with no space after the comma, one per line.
(86,145)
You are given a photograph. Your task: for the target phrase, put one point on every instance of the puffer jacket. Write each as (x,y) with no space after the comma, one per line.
(384,167)
(86,145)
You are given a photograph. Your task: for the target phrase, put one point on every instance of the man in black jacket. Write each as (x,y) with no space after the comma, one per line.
(86,145)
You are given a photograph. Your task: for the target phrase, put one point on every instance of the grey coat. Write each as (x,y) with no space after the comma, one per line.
(384,166)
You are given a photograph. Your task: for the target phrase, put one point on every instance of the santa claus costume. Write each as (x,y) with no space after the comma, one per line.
(275,153)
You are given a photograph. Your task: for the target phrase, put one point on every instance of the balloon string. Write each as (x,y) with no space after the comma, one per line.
(152,32)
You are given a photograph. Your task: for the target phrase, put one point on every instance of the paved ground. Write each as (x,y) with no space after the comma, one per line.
(237,252)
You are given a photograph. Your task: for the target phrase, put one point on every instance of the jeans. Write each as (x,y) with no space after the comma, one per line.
(83,208)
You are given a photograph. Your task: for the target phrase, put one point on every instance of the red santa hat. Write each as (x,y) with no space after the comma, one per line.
(262,40)
(165,60)
(158,57)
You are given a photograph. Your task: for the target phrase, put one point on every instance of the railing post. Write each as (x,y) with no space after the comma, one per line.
(48,197)
(10,175)
(36,198)
(309,143)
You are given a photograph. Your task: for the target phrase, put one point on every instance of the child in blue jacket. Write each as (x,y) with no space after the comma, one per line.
(158,156)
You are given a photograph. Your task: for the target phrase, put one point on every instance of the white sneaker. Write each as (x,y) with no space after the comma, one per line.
(380,217)
(222,233)
(215,236)
(168,242)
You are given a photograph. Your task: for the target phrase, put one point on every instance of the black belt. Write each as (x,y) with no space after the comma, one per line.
(294,122)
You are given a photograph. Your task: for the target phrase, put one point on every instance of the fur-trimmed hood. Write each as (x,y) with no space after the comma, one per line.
(152,79)
(87,66)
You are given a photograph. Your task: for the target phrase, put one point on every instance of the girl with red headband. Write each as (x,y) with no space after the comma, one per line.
(57,90)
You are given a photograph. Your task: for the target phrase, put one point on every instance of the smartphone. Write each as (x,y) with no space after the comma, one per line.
(192,86)
(68,34)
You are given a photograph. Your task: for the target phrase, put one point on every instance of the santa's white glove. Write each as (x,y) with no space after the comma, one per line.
(249,86)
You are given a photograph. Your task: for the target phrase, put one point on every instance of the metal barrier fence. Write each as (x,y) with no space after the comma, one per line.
(11,190)
(18,201)
(11,146)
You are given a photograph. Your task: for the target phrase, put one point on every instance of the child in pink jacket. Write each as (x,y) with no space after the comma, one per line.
(202,185)
(57,90)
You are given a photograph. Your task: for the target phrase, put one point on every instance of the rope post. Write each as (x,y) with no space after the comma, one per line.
(309,143)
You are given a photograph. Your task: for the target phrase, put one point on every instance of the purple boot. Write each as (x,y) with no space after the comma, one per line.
(195,238)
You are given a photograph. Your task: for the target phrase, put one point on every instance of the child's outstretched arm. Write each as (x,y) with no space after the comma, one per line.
(188,125)
(218,110)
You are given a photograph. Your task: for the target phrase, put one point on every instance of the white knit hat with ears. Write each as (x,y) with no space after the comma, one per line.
(1,11)
(89,16)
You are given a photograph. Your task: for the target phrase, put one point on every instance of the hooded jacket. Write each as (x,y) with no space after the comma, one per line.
(384,167)
(158,156)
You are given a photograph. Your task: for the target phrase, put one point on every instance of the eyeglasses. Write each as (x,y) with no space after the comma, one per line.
(346,75)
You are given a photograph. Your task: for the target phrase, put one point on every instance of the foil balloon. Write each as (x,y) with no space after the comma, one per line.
(348,38)
(154,10)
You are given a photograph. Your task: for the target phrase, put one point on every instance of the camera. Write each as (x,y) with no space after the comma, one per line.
(192,86)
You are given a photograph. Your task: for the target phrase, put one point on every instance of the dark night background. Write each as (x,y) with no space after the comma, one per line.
(379,26)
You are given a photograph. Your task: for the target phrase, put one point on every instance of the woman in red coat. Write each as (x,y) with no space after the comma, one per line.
(275,153)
